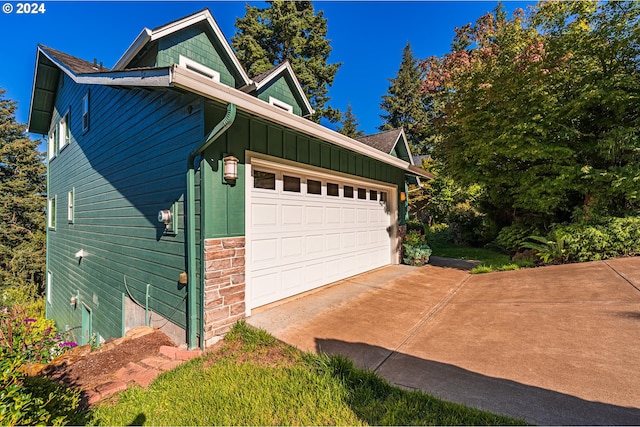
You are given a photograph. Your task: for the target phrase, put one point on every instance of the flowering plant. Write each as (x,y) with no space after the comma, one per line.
(32,340)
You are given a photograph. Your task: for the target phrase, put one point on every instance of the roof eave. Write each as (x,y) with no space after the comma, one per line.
(143,38)
(196,83)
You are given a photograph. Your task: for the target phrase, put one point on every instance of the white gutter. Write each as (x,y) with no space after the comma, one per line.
(193,82)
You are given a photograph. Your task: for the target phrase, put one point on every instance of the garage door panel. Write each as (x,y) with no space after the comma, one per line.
(301,241)
(314,245)
(263,214)
(292,247)
(292,215)
(264,250)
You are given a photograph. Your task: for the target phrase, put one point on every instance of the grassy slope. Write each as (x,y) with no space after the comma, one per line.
(255,380)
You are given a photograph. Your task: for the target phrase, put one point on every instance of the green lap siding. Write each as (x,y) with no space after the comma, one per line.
(130,164)
(224,205)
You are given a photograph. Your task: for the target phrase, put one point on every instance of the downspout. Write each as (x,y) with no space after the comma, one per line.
(192,297)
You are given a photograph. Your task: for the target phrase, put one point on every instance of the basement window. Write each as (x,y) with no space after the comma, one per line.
(192,65)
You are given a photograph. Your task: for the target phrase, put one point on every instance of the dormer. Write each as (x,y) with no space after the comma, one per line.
(194,42)
(280,87)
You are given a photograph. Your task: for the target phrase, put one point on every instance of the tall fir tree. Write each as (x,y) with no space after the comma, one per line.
(22,206)
(289,30)
(349,124)
(406,105)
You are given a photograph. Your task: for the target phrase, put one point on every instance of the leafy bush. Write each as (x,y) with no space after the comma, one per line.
(511,238)
(33,340)
(415,225)
(466,225)
(416,250)
(607,238)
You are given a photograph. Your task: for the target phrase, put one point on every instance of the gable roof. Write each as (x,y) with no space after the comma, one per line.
(282,70)
(384,141)
(204,16)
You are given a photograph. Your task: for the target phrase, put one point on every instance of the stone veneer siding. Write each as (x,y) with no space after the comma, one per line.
(224,286)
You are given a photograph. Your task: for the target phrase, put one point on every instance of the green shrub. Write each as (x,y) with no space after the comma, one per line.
(438,234)
(415,248)
(511,238)
(604,239)
(415,225)
(466,225)
(34,340)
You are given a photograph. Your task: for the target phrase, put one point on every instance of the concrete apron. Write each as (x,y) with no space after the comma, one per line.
(557,345)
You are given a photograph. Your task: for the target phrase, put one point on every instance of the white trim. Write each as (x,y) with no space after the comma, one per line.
(195,83)
(71,205)
(65,130)
(286,66)
(150,35)
(280,104)
(49,285)
(52,207)
(190,64)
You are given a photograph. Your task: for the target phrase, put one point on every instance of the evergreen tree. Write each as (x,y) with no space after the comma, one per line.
(349,124)
(22,205)
(406,105)
(289,30)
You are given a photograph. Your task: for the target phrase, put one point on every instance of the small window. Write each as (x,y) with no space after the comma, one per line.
(362,193)
(291,183)
(373,195)
(85,112)
(314,187)
(70,206)
(53,147)
(283,105)
(49,285)
(265,180)
(383,196)
(192,65)
(51,213)
(65,133)
(332,189)
(348,192)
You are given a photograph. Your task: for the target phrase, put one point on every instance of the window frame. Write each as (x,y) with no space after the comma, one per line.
(85,112)
(71,205)
(281,104)
(199,68)
(64,134)
(51,213)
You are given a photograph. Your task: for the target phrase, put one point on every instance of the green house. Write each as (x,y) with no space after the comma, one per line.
(183,194)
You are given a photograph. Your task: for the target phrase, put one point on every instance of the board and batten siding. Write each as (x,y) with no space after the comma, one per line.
(224,205)
(130,164)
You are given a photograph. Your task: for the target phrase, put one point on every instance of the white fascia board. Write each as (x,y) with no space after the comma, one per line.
(403,136)
(156,77)
(133,50)
(195,83)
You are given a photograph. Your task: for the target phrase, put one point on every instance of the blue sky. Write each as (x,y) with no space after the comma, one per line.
(366,36)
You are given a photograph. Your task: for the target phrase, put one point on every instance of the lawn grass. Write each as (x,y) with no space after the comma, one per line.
(253,379)
(490,260)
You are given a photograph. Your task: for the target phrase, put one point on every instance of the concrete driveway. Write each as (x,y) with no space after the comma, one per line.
(557,345)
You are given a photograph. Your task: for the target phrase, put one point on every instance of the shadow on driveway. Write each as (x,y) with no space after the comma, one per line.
(501,396)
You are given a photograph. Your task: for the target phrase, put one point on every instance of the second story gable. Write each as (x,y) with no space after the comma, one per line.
(280,87)
(194,42)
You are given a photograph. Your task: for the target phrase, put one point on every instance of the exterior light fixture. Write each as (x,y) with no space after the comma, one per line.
(403,196)
(230,169)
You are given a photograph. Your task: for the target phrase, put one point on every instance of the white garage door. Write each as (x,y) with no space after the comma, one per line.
(307,229)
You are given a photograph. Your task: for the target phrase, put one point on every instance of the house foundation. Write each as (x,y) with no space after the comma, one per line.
(224,283)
